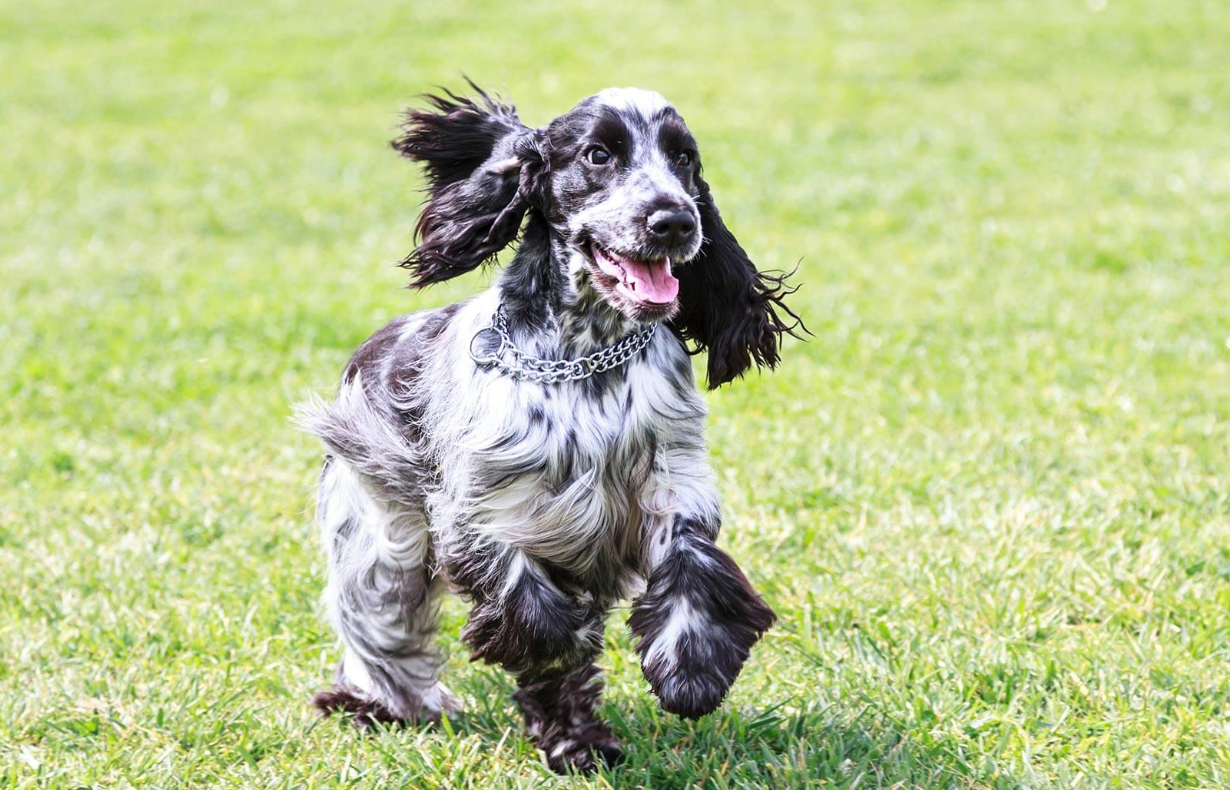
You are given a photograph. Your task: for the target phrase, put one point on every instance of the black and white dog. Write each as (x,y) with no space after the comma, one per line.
(539,449)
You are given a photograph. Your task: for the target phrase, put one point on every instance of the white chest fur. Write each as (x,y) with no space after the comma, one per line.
(571,472)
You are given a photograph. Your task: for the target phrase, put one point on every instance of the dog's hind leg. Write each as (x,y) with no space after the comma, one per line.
(383,600)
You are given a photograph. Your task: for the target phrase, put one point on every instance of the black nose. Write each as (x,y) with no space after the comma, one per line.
(672,227)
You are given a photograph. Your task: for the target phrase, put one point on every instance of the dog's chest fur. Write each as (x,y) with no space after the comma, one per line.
(568,472)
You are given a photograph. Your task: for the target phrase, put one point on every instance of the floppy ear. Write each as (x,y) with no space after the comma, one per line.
(484,169)
(729,307)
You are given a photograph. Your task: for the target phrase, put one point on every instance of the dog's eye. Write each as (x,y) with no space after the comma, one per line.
(598,156)
(683,159)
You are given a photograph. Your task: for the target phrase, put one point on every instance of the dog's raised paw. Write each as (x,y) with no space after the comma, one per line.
(697,623)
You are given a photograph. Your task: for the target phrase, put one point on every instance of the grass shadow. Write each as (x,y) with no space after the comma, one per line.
(795,743)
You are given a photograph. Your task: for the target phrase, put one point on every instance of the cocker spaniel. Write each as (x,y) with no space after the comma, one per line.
(539,449)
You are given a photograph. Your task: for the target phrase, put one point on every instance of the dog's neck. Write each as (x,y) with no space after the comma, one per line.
(538,296)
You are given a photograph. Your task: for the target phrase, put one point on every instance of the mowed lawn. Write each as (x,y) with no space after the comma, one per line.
(989,499)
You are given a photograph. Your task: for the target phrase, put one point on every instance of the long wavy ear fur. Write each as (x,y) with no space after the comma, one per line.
(483,169)
(729,307)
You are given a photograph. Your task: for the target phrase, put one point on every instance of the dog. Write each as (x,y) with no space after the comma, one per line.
(539,449)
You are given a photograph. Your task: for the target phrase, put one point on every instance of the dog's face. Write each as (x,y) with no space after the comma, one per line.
(618,210)
(623,190)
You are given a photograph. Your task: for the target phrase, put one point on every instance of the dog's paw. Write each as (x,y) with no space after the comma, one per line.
(583,752)
(697,623)
(691,673)
(691,693)
(365,712)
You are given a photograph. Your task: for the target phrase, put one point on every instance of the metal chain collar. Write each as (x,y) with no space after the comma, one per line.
(512,361)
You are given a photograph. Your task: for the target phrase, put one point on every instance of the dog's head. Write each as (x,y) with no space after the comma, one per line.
(618,181)
(624,191)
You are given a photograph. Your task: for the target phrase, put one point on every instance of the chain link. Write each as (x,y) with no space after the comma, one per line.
(512,361)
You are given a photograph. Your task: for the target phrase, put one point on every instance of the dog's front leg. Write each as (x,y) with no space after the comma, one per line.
(549,639)
(520,619)
(697,619)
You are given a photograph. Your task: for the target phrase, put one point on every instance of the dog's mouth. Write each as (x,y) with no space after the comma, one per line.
(646,283)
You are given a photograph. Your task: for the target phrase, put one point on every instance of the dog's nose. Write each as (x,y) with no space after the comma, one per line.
(672,227)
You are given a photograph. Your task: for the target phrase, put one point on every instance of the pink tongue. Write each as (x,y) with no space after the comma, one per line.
(650,281)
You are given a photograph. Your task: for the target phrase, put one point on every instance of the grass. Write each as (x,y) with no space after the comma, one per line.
(988,499)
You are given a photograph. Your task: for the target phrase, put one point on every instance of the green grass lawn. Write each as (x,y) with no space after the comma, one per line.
(988,500)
